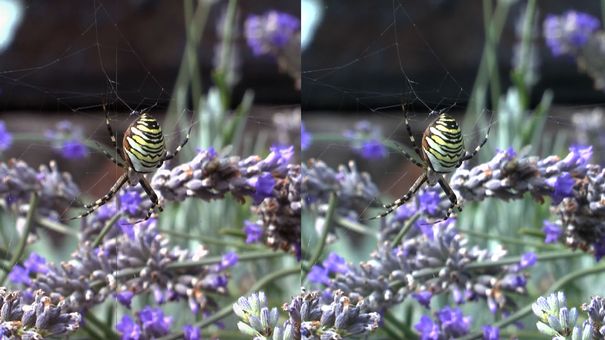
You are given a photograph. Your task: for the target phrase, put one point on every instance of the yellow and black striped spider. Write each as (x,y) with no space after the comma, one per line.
(442,152)
(143,152)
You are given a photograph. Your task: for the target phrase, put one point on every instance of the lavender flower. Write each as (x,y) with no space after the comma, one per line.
(449,323)
(566,33)
(577,34)
(276,34)
(423,298)
(128,328)
(253,231)
(552,231)
(556,320)
(93,274)
(67,139)
(280,213)
(210,177)
(491,333)
(192,333)
(318,274)
(257,319)
(335,264)
(365,140)
(272,183)
(6,138)
(354,190)
(54,189)
(45,316)
(310,317)
(528,260)
(341,318)
(436,264)
(33,264)
(575,186)
(596,316)
(151,323)
(268,33)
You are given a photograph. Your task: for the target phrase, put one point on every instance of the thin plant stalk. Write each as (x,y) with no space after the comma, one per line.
(29,223)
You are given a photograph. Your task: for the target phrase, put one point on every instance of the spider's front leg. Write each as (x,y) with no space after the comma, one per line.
(170,155)
(101,201)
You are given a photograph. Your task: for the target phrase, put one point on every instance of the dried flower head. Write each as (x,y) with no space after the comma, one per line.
(35,316)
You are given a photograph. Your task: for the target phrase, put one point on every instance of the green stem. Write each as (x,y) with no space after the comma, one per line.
(406,228)
(521,313)
(419,274)
(194,35)
(508,240)
(522,69)
(106,229)
(407,332)
(602,11)
(229,309)
(210,240)
(485,72)
(108,333)
(354,226)
(133,272)
(192,57)
(324,233)
(29,223)
(266,254)
(491,54)
(56,226)
(225,53)
(391,329)
(228,25)
(92,333)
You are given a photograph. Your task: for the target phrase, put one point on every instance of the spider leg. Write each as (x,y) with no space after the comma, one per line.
(410,158)
(409,128)
(101,201)
(112,136)
(110,130)
(111,158)
(468,156)
(391,207)
(170,155)
(155,202)
(451,195)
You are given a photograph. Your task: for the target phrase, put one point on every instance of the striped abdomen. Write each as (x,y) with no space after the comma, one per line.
(143,144)
(442,144)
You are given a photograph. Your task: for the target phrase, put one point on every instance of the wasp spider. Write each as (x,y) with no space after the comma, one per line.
(143,151)
(442,152)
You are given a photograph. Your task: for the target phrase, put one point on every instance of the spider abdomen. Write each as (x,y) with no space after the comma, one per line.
(143,144)
(442,144)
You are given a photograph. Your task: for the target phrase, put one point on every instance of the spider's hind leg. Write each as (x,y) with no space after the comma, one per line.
(455,206)
(155,202)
